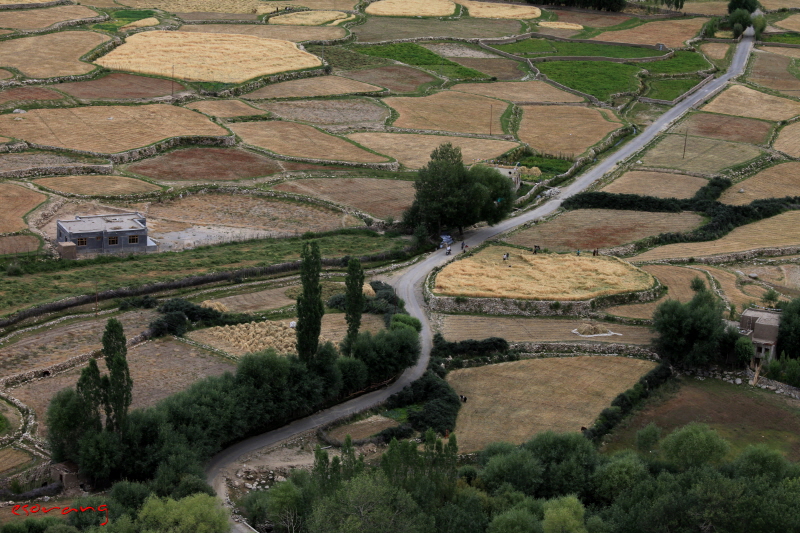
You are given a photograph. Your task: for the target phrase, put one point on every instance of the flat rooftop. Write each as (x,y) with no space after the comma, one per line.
(115,222)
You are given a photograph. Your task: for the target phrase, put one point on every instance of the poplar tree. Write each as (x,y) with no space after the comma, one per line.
(120,384)
(353,301)
(309,303)
(93,393)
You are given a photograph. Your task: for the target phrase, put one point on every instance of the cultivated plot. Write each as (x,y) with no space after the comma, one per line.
(788,52)
(54,54)
(396,78)
(500,68)
(97,185)
(780,230)
(285,33)
(785,276)
(37,159)
(772,71)
(206,164)
(706,8)
(584,229)
(742,101)
(411,8)
(449,111)
(788,140)
(672,33)
(11,459)
(516,401)
(17,201)
(210,6)
(596,19)
(107,129)
(27,95)
(567,130)
(225,108)
(677,279)
(487,10)
(353,112)
(658,184)
(250,302)
(141,23)
(702,155)
(725,128)
(377,29)
(300,140)
(774,182)
(789,23)
(312,87)
(715,50)
(308,18)
(363,428)
(521,91)
(522,274)
(380,198)
(39,19)
(121,86)
(413,150)
(18,244)
(735,292)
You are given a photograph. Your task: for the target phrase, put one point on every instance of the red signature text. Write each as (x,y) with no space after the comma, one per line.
(64,510)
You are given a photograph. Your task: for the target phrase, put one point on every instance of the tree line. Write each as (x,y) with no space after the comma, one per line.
(600,5)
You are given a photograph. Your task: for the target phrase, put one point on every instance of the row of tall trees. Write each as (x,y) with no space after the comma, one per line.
(600,5)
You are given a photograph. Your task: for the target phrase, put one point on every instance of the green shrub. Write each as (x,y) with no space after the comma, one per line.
(407,320)
(647,438)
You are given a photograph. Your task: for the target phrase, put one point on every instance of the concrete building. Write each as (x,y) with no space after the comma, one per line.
(123,233)
(761,326)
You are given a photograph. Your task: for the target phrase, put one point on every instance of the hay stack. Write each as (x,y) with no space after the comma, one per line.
(368,290)
(592,329)
(533,171)
(216,306)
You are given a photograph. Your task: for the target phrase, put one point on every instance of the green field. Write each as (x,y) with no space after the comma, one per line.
(670,89)
(549,166)
(680,63)
(413,54)
(344,59)
(788,38)
(598,78)
(121,17)
(540,47)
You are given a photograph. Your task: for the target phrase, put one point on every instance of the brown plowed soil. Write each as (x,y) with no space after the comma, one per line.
(658,184)
(500,68)
(311,87)
(381,198)
(725,127)
(28,94)
(17,244)
(351,111)
(391,28)
(397,79)
(217,16)
(772,71)
(222,164)
(119,86)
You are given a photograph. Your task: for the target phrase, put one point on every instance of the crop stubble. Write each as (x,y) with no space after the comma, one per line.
(263,300)
(295,34)
(788,140)
(702,155)
(725,128)
(28,94)
(121,86)
(658,184)
(97,185)
(36,19)
(223,164)
(488,10)
(449,111)
(568,130)
(677,279)
(774,182)
(11,458)
(353,111)
(50,55)
(308,18)
(388,28)
(742,101)
(591,19)
(396,78)
(672,33)
(715,50)
(312,87)
(17,201)
(772,71)
(18,244)
(519,91)
(38,159)
(411,8)
(225,108)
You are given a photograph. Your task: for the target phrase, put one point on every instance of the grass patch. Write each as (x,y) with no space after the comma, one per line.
(413,54)
(538,47)
(788,38)
(670,89)
(344,59)
(598,78)
(681,62)
(589,32)
(121,17)
(550,166)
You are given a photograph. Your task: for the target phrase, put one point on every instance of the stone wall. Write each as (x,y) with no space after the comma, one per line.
(35,6)
(735,256)
(57,170)
(776,386)
(392,166)
(558,349)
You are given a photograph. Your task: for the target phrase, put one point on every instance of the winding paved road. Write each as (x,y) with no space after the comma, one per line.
(409,286)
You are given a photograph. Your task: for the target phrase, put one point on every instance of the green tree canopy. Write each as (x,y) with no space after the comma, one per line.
(120,384)
(353,301)
(694,445)
(199,513)
(789,329)
(309,303)
(747,5)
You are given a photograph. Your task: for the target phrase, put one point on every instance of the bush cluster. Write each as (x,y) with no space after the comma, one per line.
(785,370)
(600,5)
(467,348)
(180,316)
(385,302)
(440,403)
(138,302)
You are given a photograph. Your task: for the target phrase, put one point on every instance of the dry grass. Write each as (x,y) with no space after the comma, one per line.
(584,229)
(39,159)
(569,130)
(785,276)
(539,277)
(788,140)
(121,86)
(742,101)
(789,23)
(396,78)
(521,91)
(284,33)
(210,6)
(414,150)
(150,21)
(28,94)
(515,401)
(672,33)
(36,19)
(658,184)
(352,111)
(411,8)
(206,164)
(593,19)
(561,25)
(12,458)
(250,302)
(216,306)
(449,111)
(500,68)
(380,198)
(772,71)
(715,50)
(225,108)
(312,87)
(308,18)
(781,230)
(97,185)
(486,10)
(363,428)
(677,279)
(54,54)
(17,244)
(707,8)
(702,155)
(733,291)
(725,128)
(17,201)
(300,140)
(250,338)
(774,5)
(774,182)
(207,57)
(107,129)
(788,52)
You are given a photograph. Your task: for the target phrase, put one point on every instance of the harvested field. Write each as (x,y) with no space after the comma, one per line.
(742,101)
(54,54)
(11,459)
(363,428)
(487,10)
(300,140)
(225,108)
(592,19)
(788,52)
(725,128)
(585,229)
(791,22)
(396,78)
(141,23)
(210,6)
(284,33)
(538,277)
(677,279)
(158,369)
(738,294)
(715,50)
(449,111)
(561,25)
(17,202)
(384,29)
(658,184)
(212,164)
(411,8)
(251,212)
(672,33)
(39,159)
(380,198)
(785,277)
(107,129)
(774,182)
(772,71)
(774,5)
(519,91)
(38,19)
(568,130)
(205,15)
(5,74)
(781,230)
(28,94)
(500,68)
(586,385)
(18,244)
(352,112)
(308,18)
(414,150)
(208,57)
(97,185)
(337,5)
(788,140)
(120,86)
(706,8)
(312,87)
(451,50)
(250,302)
(702,155)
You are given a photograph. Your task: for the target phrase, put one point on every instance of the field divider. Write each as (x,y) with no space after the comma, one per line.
(391,166)
(23,5)
(708,79)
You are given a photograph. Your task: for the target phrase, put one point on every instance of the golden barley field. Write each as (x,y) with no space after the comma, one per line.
(107,129)
(672,33)
(676,279)
(715,50)
(413,150)
(658,184)
(515,401)
(518,91)
(561,25)
(17,201)
(539,277)
(567,130)
(789,23)
(308,18)
(449,111)
(312,87)
(142,23)
(788,140)
(209,6)
(774,182)
(294,34)
(50,55)
(98,185)
(411,8)
(207,57)
(780,230)
(489,10)
(36,19)
(225,108)
(746,102)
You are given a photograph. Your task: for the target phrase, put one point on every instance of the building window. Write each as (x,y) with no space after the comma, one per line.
(81,241)
(113,240)
(133,239)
